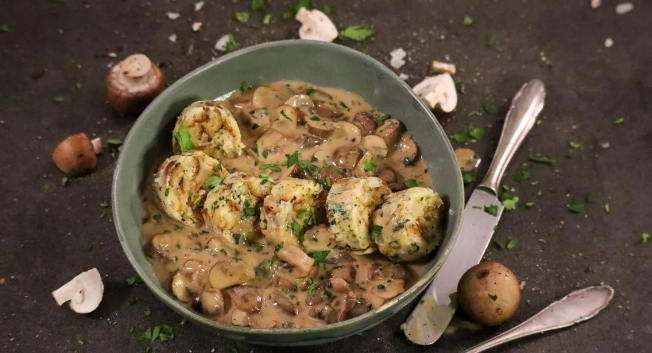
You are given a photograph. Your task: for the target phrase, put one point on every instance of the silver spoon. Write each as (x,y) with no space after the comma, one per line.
(572,309)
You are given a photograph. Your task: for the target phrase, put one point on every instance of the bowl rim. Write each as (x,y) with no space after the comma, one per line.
(162,295)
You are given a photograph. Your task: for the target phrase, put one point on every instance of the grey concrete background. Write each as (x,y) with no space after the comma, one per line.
(50,233)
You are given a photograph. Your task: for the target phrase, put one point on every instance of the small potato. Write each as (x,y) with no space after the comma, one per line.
(489,293)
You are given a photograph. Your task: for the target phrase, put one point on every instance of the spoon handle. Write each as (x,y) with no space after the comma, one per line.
(574,308)
(522,114)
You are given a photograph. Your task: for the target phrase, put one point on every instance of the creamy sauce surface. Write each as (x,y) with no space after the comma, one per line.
(343,283)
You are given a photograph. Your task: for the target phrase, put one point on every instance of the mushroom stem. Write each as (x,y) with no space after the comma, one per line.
(440,67)
(97,145)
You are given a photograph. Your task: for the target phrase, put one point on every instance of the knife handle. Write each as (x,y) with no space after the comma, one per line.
(526,106)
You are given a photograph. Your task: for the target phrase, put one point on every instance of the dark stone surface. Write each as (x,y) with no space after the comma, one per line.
(50,233)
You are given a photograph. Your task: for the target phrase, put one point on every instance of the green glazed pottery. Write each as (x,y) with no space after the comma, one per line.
(319,63)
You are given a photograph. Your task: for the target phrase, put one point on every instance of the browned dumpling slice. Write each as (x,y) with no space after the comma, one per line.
(407,225)
(180,182)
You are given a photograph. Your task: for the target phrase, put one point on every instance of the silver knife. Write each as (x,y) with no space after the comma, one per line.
(435,310)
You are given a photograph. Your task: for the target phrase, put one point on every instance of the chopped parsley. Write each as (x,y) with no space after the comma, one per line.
(147,311)
(59,99)
(319,256)
(184,138)
(211,182)
(242,16)
(279,247)
(491,209)
(310,91)
(511,244)
(134,280)
(160,332)
(292,159)
(381,120)
(460,137)
(254,126)
(489,107)
(244,86)
(344,106)
(522,176)
(314,118)
(265,153)
(274,167)
(157,218)
(510,203)
(607,208)
(542,159)
(369,165)
(411,183)
(254,148)
(619,121)
(357,33)
(375,231)
(645,237)
(231,44)
(578,207)
(492,43)
(476,133)
(468,21)
(493,297)
(248,211)
(529,204)
(258,5)
(80,342)
(267,19)
(236,238)
(576,144)
(468,178)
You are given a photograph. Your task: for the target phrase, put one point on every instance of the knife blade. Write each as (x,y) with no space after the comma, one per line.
(481,214)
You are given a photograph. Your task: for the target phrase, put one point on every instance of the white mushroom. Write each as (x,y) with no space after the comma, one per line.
(438,92)
(84,292)
(440,67)
(315,25)
(397,58)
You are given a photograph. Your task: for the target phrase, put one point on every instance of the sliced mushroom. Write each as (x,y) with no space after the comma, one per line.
(84,292)
(374,301)
(239,318)
(302,103)
(325,313)
(321,127)
(324,110)
(285,120)
(266,142)
(75,155)
(293,255)
(161,245)
(331,174)
(259,121)
(406,149)
(374,149)
(354,307)
(281,302)
(212,302)
(316,298)
(390,131)
(227,274)
(133,83)
(339,285)
(315,25)
(346,273)
(438,92)
(388,290)
(339,258)
(347,132)
(181,287)
(285,283)
(319,95)
(265,96)
(365,122)
(388,175)
(387,270)
(247,299)
(347,157)
(310,141)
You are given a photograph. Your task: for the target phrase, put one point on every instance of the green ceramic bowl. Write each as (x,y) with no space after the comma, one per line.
(323,64)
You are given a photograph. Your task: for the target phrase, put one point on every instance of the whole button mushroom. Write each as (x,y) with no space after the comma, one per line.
(133,83)
(489,293)
(76,155)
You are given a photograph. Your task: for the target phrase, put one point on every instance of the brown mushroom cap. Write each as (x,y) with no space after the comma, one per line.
(489,293)
(133,83)
(75,155)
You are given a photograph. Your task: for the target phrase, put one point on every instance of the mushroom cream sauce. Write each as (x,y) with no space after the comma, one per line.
(278,296)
